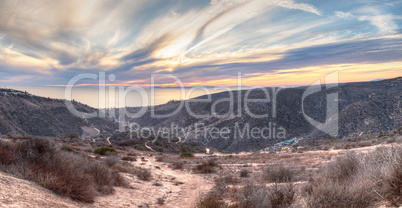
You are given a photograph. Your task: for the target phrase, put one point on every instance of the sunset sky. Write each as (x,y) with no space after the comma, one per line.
(202,42)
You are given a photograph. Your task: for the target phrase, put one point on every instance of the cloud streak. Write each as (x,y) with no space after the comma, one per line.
(197,41)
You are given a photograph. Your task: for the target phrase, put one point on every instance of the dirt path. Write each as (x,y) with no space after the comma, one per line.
(150,148)
(177,188)
(193,188)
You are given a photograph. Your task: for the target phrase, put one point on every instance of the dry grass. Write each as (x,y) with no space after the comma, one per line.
(206,167)
(359,180)
(129,158)
(143,174)
(211,202)
(178,165)
(342,168)
(258,195)
(282,196)
(65,173)
(278,173)
(227,179)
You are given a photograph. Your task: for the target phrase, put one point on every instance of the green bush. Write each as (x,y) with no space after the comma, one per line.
(187,154)
(104,150)
(67,148)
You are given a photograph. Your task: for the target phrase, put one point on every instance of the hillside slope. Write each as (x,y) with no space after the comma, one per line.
(22,113)
(364,108)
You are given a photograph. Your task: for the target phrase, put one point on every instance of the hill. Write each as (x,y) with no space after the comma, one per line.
(365,108)
(23,113)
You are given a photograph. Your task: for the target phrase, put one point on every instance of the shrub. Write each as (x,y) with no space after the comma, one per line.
(160,201)
(129,158)
(105,150)
(393,183)
(112,160)
(177,165)
(391,140)
(206,167)
(187,154)
(359,180)
(143,174)
(157,184)
(282,196)
(124,168)
(211,202)
(67,148)
(254,196)
(278,173)
(226,179)
(159,159)
(325,147)
(119,180)
(331,194)
(64,173)
(244,173)
(364,143)
(338,186)
(258,195)
(73,136)
(381,134)
(342,168)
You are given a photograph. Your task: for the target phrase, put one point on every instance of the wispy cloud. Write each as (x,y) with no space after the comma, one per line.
(343,15)
(198,41)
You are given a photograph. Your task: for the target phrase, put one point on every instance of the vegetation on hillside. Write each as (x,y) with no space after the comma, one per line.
(63,172)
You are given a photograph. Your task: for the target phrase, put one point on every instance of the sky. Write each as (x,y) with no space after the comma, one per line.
(202,43)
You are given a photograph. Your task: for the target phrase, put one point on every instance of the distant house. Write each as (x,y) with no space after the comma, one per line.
(279,145)
(289,142)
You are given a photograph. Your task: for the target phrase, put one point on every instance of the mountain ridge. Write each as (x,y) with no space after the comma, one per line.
(364,108)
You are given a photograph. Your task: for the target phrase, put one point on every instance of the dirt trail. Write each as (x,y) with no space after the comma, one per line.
(177,188)
(193,187)
(148,147)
